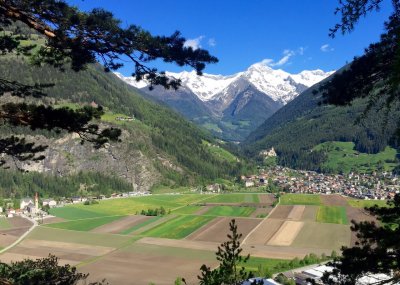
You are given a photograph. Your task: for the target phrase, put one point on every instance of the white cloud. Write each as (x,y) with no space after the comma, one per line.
(212,42)
(194,43)
(287,54)
(301,50)
(326,48)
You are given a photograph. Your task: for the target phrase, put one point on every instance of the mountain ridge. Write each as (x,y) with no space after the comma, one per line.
(232,106)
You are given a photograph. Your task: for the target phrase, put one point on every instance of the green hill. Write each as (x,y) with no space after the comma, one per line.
(158,146)
(297,128)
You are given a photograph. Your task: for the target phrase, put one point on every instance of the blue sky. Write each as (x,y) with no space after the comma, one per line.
(288,34)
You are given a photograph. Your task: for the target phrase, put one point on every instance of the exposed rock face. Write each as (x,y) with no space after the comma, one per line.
(67,155)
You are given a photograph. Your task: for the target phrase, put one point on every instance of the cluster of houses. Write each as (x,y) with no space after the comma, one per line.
(33,208)
(362,186)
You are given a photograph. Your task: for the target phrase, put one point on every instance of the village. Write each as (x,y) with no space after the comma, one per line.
(380,186)
(38,209)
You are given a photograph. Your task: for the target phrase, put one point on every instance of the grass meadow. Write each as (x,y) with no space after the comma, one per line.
(179,227)
(332,214)
(230,211)
(301,199)
(85,224)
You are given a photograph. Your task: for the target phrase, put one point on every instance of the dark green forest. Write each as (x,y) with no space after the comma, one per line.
(305,122)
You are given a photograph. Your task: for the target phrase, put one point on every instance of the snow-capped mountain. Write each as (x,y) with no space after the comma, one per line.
(234,105)
(279,85)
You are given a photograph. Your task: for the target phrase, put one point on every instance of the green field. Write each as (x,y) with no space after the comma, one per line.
(366,203)
(300,199)
(230,211)
(343,158)
(75,212)
(187,210)
(332,214)
(234,198)
(126,206)
(273,265)
(5,224)
(160,189)
(220,152)
(86,224)
(178,227)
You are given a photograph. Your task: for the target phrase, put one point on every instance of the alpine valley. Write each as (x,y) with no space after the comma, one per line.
(232,106)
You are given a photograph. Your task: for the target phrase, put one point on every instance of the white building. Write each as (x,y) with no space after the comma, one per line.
(50,202)
(25,202)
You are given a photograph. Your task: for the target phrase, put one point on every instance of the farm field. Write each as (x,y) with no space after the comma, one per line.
(332,214)
(85,224)
(178,227)
(230,211)
(234,198)
(127,206)
(366,203)
(4,224)
(109,241)
(301,199)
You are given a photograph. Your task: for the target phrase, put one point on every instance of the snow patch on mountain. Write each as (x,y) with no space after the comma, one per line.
(277,84)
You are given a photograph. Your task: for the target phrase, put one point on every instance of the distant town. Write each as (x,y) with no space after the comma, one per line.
(378,186)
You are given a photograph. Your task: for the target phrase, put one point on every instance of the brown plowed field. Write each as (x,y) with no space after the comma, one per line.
(358,215)
(281,212)
(333,200)
(266,198)
(53,220)
(286,233)
(324,236)
(261,211)
(144,264)
(310,213)
(281,252)
(18,222)
(6,240)
(122,224)
(9,257)
(71,253)
(217,231)
(264,232)
(18,227)
(296,213)
(183,243)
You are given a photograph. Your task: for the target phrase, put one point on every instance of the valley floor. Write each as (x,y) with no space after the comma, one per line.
(109,241)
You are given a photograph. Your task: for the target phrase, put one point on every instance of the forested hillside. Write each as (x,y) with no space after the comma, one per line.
(158,146)
(306,122)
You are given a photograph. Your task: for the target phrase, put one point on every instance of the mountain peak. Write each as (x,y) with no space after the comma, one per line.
(277,84)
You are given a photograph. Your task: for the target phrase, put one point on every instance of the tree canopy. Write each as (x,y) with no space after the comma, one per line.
(73,39)
(377,251)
